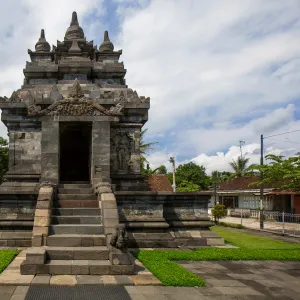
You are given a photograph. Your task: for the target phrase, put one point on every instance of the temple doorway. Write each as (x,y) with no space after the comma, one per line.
(75,145)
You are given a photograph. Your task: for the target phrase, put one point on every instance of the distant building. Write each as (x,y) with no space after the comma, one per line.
(238,193)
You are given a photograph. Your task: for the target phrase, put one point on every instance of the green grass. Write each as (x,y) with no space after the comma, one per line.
(6,257)
(232,225)
(162,262)
(245,240)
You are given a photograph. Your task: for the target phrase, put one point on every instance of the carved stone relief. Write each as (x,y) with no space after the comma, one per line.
(75,105)
(122,147)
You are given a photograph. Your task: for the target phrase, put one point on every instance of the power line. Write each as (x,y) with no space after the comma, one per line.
(266,137)
(284,141)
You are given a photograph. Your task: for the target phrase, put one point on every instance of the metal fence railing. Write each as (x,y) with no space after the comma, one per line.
(274,221)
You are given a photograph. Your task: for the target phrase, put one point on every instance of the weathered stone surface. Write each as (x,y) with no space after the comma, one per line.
(99,267)
(121,269)
(119,258)
(63,280)
(41,221)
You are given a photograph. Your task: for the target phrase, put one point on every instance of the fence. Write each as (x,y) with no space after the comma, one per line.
(279,222)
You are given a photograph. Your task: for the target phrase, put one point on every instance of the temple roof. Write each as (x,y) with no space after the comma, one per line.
(74,32)
(107,45)
(42,45)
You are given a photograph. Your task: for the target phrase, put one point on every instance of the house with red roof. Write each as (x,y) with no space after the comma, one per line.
(241,193)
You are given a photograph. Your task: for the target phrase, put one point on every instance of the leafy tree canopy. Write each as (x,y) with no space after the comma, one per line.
(192,173)
(280,172)
(186,186)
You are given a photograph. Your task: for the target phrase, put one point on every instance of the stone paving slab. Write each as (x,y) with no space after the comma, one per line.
(247,279)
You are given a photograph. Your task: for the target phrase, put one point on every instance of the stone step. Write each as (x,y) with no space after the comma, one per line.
(81,197)
(76,211)
(76,229)
(74,186)
(76,240)
(78,267)
(77,253)
(76,220)
(75,191)
(75,204)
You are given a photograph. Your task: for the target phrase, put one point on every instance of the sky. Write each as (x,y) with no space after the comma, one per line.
(217,72)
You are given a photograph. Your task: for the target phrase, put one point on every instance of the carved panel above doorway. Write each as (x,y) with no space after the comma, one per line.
(76,104)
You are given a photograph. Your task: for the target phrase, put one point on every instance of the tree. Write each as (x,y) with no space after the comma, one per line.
(145,148)
(186,186)
(3,157)
(280,172)
(191,173)
(160,170)
(240,166)
(219,212)
(223,176)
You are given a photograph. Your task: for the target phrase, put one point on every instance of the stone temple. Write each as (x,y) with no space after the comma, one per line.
(74,189)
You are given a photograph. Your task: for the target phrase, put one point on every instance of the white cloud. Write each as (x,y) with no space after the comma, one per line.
(216,71)
(20,26)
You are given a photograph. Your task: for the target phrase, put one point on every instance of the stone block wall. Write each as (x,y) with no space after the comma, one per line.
(25,151)
(50,151)
(163,210)
(100,152)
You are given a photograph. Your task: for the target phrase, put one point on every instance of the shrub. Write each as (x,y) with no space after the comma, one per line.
(232,225)
(219,212)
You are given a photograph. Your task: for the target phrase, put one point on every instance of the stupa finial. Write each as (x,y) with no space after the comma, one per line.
(42,45)
(107,45)
(74,19)
(42,34)
(74,32)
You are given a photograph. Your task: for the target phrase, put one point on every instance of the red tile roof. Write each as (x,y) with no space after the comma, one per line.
(240,183)
(159,183)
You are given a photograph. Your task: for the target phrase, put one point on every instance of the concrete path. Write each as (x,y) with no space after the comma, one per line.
(237,280)
(288,228)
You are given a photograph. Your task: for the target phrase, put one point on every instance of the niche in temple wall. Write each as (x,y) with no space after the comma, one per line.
(122,150)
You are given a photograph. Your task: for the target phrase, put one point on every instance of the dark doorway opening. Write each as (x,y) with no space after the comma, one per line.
(75,141)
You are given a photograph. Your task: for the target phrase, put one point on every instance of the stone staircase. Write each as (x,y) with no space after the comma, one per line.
(76,243)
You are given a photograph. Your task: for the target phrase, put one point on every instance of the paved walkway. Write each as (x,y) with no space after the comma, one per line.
(238,280)
(289,228)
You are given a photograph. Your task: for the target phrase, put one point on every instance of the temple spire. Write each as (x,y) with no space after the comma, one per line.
(74,20)
(42,45)
(107,45)
(42,34)
(74,32)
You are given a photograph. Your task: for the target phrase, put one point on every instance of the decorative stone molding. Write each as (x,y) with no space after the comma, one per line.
(103,187)
(14,97)
(47,184)
(119,238)
(75,105)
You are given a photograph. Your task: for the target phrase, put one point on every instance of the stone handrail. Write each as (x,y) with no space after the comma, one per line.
(42,217)
(119,257)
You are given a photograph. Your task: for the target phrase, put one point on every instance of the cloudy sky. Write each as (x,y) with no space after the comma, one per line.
(216,71)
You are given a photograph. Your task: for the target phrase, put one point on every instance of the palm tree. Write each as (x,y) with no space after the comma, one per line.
(240,166)
(145,147)
(144,150)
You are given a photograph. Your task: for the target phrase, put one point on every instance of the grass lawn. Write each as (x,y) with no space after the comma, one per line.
(6,257)
(250,241)
(161,262)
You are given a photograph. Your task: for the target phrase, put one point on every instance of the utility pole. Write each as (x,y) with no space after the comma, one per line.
(172,161)
(215,186)
(261,217)
(241,146)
